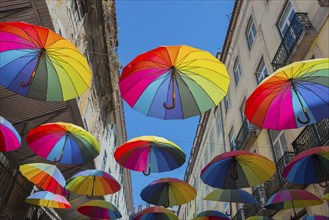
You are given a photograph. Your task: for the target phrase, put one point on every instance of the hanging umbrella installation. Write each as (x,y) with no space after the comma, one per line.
(174,82)
(294,96)
(48,199)
(99,209)
(38,63)
(149,154)
(258,217)
(63,143)
(168,192)
(308,167)
(45,176)
(211,215)
(316,217)
(237,169)
(291,199)
(9,137)
(155,213)
(92,183)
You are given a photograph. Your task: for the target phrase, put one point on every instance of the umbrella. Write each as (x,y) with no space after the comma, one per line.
(9,137)
(231,195)
(63,143)
(38,63)
(168,192)
(294,96)
(92,183)
(150,154)
(155,213)
(316,217)
(310,166)
(291,199)
(325,197)
(99,209)
(48,199)
(45,176)
(174,82)
(237,169)
(211,215)
(258,217)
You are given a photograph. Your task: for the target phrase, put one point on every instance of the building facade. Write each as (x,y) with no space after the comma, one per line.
(91,26)
(262,37)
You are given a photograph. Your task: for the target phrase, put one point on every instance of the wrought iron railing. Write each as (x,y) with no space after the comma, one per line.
(246,131)
(250,210)
(312,136)
(239,215)
(299,23)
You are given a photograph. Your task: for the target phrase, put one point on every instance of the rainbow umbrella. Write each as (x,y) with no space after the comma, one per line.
(168,192)
(9,137)
(93,183)
(99,209)
(150,154)
(211,215)
(45,176)
(291,199)
(48,199)
(237,169)
(294,96)
(155,213)
(258,217)
(38,63)
(63,143)
(310,166)
(231,195)
(325,197)
(316,217)
(174,82)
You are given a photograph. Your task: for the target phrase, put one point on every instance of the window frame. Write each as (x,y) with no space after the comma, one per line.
(237,70)
(276,138)
(231,137)
(287,20)
(227,102)
(251,31)
(260,73)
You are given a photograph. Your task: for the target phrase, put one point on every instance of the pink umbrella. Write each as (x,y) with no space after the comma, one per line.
(9,137)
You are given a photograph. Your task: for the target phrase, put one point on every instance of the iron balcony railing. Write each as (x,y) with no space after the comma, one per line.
(299,23)
(246,131)
(312,136)
(239,215)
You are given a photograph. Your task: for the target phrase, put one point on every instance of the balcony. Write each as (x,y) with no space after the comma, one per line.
(312,136)
(296,41)
(246,136)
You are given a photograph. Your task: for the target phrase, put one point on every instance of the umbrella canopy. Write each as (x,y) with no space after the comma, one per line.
(293,96)
(48,199)
(38,63)
(237,169)
(155,213)
(45,176)
(258,217)
(325,197)
(316,217)
(93,183)
(211,215)
(291,199)
(174,82)
(63,143)
(99,209)
(168,192)
(150,154)
(310,166)
(9,137)
(231,195)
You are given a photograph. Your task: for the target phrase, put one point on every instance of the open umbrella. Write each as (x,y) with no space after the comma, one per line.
(9,137)
(63,143)
(38,63)
(237,169)
(155,213)
(99,209)
(291,199)
(45,176)
(150,154)
(294,96)
(231,195)
(168,192)
(310,166)
(211,215)
(325,197)
(93,183)
(316,217)
(48,199)
(174,82)
(258,217)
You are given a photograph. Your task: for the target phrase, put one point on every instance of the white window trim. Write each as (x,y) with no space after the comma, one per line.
(286,21)
(237,70)
(250,32)
(260,72)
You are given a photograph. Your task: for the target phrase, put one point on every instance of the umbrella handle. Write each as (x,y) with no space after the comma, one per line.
(172,92)
(62,153)
(228,214)
(307,117)
(324,185)
(148,171)
(235,174)
(173,103)
(41,54)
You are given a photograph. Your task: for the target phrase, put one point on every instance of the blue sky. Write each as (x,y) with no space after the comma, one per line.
(145,25)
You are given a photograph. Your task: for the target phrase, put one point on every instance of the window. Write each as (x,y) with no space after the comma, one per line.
(237,71)
(219,123)
(212,144)
(286,18)
(279,143)
(227,102)
(231,137)
(242,107)
(261,72)
(104,161)
(251,32)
